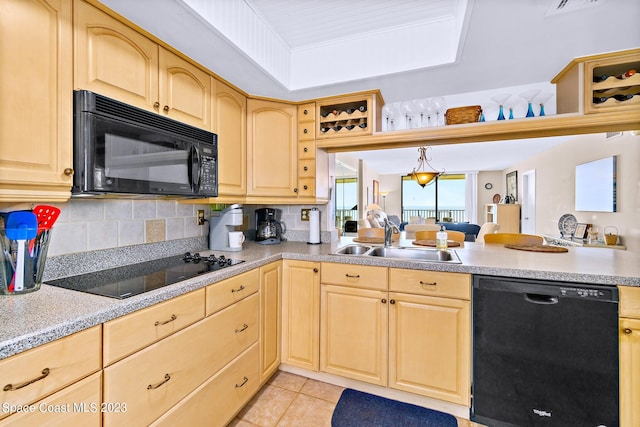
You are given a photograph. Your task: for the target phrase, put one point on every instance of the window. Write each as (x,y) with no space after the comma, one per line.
(346,200)
(443,199)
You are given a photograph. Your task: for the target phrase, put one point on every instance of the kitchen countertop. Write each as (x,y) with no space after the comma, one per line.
(33,319)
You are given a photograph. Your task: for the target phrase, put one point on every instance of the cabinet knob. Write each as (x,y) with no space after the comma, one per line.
(305,187)
(156,104)
(392,301)
(305,130)
(315,270)
(306,111)
(306,150)
(295,190)
(627,331)
(68,171)
(384,300)
(166,108)
(306,168)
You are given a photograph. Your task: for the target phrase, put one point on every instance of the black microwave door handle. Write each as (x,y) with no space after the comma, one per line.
(194,169)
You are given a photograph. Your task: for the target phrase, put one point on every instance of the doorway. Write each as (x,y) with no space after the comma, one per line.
(528,223)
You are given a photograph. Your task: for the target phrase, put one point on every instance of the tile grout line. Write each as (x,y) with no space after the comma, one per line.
(290,403)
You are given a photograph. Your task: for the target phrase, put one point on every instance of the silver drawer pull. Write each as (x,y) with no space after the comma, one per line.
(11,387)
(352,276)
(171,319)
(244,328)
(244,381)
(428,284)
(241,288)
(167,377)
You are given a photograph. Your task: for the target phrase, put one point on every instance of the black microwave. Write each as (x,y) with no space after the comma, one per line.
(123,150)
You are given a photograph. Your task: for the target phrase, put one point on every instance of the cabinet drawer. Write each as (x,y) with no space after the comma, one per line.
(217,401)
(58,364)
(127,334)
(434,283)
(227,292)
(306,131)
(307,112)
(153,380)
(306,168)
(629,301)
(82,401)
(307,150)
(359,276)
(306,187)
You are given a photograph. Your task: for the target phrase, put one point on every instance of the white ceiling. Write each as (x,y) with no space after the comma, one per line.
(259,46)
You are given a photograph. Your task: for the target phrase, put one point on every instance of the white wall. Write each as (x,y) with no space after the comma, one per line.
(555,184)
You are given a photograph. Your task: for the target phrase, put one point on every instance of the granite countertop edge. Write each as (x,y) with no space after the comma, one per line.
(52,313)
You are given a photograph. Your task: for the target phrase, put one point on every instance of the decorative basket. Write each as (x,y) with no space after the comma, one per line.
(469,114)
(610,238)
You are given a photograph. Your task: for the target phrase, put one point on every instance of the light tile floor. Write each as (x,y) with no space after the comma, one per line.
(292,400)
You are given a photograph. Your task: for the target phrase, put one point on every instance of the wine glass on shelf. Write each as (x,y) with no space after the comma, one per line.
(500,99)
(528,96)
(420,107)
(511,104)
(541,100)
(385,113)
(439,105)
(406,108)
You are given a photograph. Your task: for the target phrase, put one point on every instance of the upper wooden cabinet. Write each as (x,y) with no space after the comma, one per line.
(230,123)
(35,100)
(116,61)
(272,152)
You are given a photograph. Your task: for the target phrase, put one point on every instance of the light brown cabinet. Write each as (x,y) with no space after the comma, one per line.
(270,319)
(31,376)
(629,337)
(301,314)
(272,155)
(349,115)
(230,124)
(36,100)
(507,216)
(430,334)
(116,61)
(354,322)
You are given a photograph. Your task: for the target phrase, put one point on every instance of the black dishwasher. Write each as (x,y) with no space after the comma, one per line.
(544,353)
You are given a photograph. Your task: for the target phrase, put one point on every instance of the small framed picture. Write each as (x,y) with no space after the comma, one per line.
(581,231)
(512,186)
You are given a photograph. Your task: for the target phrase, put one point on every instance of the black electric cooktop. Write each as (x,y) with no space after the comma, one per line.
(134,279)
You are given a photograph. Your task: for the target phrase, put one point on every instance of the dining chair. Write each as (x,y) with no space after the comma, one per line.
(513,238)
(411,229)
(486,228)
(456,236)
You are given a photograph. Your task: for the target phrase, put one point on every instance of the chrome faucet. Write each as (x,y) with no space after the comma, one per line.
(389,228)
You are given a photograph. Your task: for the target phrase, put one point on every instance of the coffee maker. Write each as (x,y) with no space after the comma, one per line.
(269,228)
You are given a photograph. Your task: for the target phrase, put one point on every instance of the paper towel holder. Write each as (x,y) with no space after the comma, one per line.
(314,234)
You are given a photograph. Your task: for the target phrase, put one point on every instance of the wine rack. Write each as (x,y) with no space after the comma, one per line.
(592,84)
(349,115)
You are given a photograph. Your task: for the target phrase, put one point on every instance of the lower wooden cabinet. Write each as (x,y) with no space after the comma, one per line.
(270,319)
(301,314)
(217,401)
(354,333)
(629,356)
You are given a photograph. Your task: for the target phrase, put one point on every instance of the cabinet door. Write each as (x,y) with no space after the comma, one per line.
(629,372)
(270,296)
(35,100)
(230,123)
(114,60)
(185,91)
(301,314)
(429,346)
(353,333)
(271,149)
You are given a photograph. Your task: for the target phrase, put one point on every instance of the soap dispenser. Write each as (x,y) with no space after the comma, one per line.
(441,239)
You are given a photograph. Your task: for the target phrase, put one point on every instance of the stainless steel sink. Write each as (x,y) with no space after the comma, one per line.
(401,253)
(431,255)
(352,250)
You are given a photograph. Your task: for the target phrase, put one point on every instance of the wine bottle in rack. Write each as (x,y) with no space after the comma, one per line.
(350,110)
(600,99)
(623,97)
(362,108)
(324,129)
(362,124)
(598,79)
(626,75)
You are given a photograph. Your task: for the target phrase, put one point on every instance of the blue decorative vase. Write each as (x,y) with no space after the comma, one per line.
(510,113)
(541,110)
(501,114)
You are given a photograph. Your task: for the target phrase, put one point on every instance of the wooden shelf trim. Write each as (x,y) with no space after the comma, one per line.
(547,126)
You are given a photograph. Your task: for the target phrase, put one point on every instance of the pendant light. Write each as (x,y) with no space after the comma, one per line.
(420,174)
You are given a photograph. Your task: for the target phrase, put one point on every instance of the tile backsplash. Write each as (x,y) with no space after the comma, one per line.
(95,224)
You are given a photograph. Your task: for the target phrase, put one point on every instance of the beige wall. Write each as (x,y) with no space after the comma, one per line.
(555,184)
